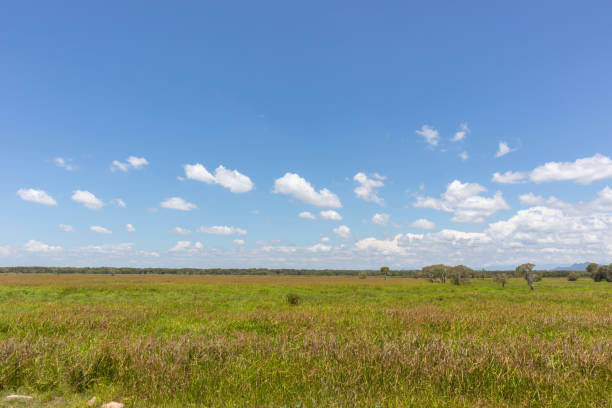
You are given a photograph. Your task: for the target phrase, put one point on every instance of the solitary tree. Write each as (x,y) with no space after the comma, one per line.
(438,271)
(502,278)
(526,271)
(460,274)
(385,271)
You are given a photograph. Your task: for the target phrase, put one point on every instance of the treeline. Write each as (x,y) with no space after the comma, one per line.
(407,273)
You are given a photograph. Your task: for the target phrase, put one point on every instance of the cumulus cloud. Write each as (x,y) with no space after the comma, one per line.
(583,171)
(230,179)
(36,196)
(464,156)
(461,133)
(180,231)
(131,162)
(198,245)
(37,246)
(319,248)
(60,162)
(130,228)
(430,134)
(503,149)
(307,215)
(177,203)
(330,215)
(100,230)
(294,185)
(465,201)
(380,219)
(509,177)
(222,230)
(324,239)
(367,188)
(238,241)
(87,199)
(66,228)
(343,232)
(423,224)
(181,246)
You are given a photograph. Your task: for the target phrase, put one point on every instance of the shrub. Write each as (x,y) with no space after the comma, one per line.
(572,277)
(363,275)
(293,299)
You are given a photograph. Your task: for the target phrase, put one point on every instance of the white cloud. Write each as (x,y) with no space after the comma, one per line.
(66,228)
(37,246)
(118,202)
(319,248)
(87,199)
(384,246)
(131,162)
(198,245)
(238,241)
(307,215)
(465,202)
(324,239)
(36,196)
(60,162)
(230,179)
(423,224)
(222,230)
(5,250)
(180,231)
(380,219)
(343,232)
(531,199)
(177,203)
(504,149)
(367,188)
(509,177)
(180,246)
(464,156)
(461,133)
(100,230)
(430,135)
(137,162)
(583,171)
(294,185)
(130,228)
(330,215)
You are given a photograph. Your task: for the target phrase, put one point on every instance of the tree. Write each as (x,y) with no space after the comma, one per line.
(592,269)
(438,271)
(526,271)
(502,278)
(572,277)
(460,274)
(385,271)
(601,274)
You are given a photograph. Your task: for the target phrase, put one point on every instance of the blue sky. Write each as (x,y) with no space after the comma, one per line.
(350,107)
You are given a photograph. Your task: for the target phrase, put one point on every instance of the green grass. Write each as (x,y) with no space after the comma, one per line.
(235,341)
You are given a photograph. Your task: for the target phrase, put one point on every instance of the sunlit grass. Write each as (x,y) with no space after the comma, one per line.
(236,341)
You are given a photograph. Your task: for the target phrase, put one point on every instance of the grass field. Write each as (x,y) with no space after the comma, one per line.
(235,341)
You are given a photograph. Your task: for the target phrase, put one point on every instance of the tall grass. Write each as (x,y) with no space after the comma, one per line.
(221,342)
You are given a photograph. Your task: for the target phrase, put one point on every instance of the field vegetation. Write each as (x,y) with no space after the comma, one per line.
(297,341)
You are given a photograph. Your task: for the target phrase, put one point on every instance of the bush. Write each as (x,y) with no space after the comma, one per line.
(572,277)
(363,275)
(293,299)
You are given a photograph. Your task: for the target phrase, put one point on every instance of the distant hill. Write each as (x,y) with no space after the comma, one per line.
(574,267)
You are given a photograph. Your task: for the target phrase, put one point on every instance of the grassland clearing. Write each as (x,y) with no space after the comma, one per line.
(222,341)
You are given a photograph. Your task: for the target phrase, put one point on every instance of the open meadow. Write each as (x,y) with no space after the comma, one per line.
(225,341)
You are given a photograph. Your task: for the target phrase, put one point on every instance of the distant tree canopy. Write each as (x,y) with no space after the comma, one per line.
(385,271)
(600,273)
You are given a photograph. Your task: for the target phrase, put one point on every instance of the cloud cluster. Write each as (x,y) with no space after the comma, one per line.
(380,219)
(582,171)
(461,133)
(293,185)
(60,162)
(367,188)
(430,134)
(222,230)
(131,162)
(465,201)
(233,180)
